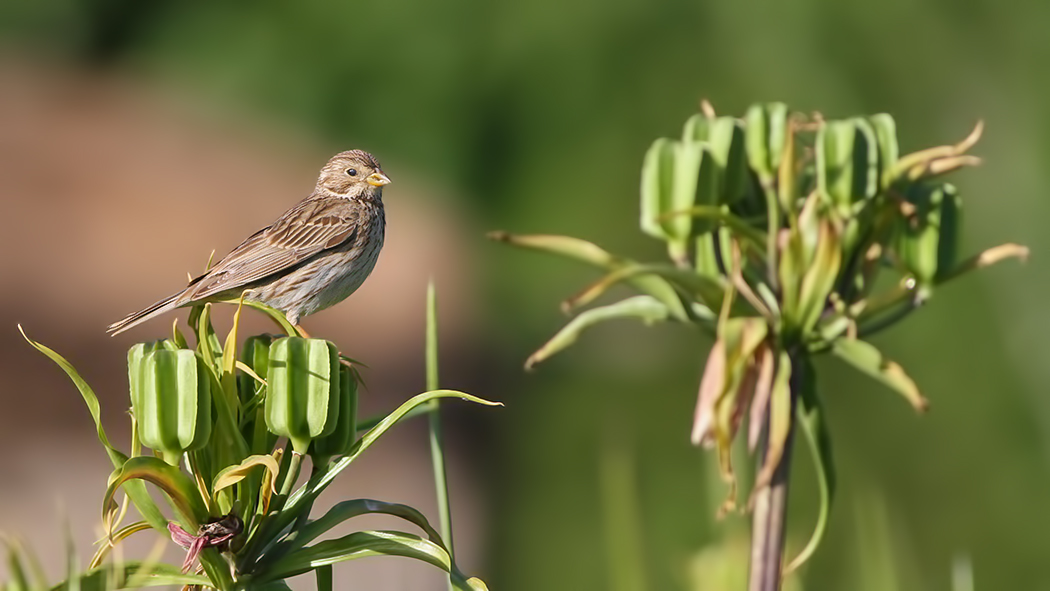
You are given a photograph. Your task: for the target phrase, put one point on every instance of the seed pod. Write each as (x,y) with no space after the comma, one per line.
(927,240)
(302,401)
(764,134)
(657,187)
(171,399)
(885,129)
(342,438)
(847,163)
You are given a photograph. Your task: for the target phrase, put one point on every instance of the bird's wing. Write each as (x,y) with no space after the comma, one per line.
(312,226)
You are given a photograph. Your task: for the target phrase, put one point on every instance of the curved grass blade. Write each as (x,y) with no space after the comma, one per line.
(348,510)
(135,490)
(592,254)
(276,315)
(811,417)
(105,578)
(708,289)
(647,308)
(234,474)
(867,359)
(179,488)
(303,497)
(720,214)
(118,536)
(360,545)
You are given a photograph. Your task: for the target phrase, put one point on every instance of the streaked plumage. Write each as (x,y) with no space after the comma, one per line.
(315,255)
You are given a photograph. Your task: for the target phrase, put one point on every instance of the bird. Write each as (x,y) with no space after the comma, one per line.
(312,257)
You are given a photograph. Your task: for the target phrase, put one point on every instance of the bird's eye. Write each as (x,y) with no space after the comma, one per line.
(351,171)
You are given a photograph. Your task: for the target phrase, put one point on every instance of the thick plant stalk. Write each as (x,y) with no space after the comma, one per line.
(769,515)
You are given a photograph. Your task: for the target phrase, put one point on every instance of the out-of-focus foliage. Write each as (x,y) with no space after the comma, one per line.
(539,113)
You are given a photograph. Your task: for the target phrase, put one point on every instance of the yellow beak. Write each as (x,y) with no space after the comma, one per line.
(377,179)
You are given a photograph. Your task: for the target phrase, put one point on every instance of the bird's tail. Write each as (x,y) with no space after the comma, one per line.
(167,304)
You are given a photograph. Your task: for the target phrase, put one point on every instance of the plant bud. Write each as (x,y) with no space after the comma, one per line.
(302,400)
(342,438)
(171,399)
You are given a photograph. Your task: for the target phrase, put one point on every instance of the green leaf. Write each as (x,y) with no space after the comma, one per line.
(135,490)
(347,510)
(107,577)
(811,418)
(708,289)
(276,315)
(179,488)
(867,359)
(648,309)
(360,545)
(819,278)
(16,572)
(324,578)
(590,253)
(304,496)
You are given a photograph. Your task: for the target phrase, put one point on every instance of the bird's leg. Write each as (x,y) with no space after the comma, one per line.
(302,331)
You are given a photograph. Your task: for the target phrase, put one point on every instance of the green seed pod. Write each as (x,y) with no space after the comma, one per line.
(765,133)
(927,240)
(847,163)
(302,401)
(886,136)
(342,438)
(171,399)
(135,355)
(657,187)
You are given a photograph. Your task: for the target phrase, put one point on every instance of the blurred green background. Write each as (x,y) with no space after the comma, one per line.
(533,117)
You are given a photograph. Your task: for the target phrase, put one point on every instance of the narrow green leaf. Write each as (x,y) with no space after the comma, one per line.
(811,417)
(135,490)
(648,309)
(179,488)
(86,393)
(867,359)
(276,315)
(324,578)
(107,577)
(16,572)
(708,289)
(437,453)
(360,545)
(590,253)
(819,278)
(346,510)
(306,494)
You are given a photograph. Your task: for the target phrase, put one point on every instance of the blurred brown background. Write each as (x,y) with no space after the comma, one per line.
(136,137)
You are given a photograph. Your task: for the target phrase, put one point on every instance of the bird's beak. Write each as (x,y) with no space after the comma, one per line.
(377,179)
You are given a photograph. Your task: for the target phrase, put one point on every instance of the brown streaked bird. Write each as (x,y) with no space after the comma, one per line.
(314,256)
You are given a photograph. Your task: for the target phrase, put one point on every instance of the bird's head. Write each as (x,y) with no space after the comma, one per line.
(354,174)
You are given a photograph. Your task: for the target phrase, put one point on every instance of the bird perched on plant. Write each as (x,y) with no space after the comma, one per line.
(315,255)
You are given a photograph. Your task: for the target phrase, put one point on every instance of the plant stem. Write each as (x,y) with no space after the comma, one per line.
(770,510)
(437,455)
